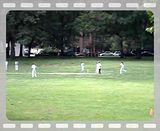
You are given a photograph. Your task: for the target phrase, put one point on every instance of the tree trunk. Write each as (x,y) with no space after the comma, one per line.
(62,34)
(13,41)
(81,42)
(121,45)
(62,46)
(138,49)
(8,49)
(12,49)
(94,43)
(21,50)
(91,43)
(138,53)
(29,48)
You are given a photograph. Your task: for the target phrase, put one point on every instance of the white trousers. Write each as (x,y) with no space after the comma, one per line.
(6,65)
(97,70)
(34,73)
(16,67)
(122,70)
(82,68)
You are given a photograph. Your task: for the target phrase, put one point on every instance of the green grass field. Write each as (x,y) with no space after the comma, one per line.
(109,96)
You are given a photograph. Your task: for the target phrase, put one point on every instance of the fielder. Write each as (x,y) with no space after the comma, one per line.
(34,72)
(82,67)
(122,69)
(16,66)
(98,67)
(6,65)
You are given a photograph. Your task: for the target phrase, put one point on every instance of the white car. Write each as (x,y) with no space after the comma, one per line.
(117,53)
(106,53)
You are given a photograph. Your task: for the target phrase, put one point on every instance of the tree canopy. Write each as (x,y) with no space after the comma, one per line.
(108,30)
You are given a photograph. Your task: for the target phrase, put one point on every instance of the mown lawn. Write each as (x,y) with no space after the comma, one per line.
(109,96)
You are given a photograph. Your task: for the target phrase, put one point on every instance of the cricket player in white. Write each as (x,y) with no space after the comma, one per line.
(34,73)
(98,67)
(82,67)
(122,68)
(6,65)
(16,66)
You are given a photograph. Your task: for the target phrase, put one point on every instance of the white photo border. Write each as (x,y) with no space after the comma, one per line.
(11,5)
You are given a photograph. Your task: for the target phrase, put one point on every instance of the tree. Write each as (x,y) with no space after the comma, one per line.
(106,30)
(11,33)
(90,23)
(59,30)
(23,27)
(150,27)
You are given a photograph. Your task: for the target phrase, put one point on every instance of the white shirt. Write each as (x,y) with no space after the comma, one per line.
(82,64)
(99,65)
(33,67)
(122,65)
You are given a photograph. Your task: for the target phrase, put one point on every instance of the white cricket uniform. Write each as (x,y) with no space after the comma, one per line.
(16,66)
(34,73)
(6,65)
(122,68)
(82,67)
(98,68)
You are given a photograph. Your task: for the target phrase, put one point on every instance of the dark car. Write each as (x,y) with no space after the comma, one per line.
(69,52)
(147,53)
(129,54)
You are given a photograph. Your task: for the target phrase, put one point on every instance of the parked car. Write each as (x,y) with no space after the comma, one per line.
(147,53)
(69,52)
(106,53)
(46,52)
(131,53)
(143,53)
(79,54)
(117,53)
(31,54)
